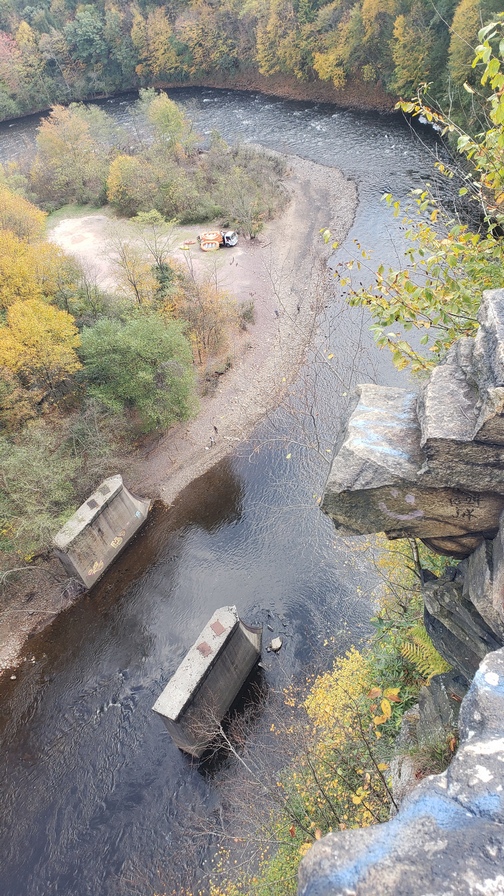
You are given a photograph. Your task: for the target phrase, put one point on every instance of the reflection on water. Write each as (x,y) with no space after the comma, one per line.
(212,500)
(95,797)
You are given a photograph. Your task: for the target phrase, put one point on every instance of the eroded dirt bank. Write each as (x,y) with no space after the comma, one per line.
(281,272)
(354,95)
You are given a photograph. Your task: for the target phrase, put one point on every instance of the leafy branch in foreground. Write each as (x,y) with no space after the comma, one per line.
(485,150)
(447,266)
(436,292)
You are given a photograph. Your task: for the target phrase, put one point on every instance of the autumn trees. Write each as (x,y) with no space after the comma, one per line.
(81,158)
(43,356)
(70,392)
(74,146)
(68,52)
(38,340)
(38,344)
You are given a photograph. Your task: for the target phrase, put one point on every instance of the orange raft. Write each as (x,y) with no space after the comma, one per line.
(211,240)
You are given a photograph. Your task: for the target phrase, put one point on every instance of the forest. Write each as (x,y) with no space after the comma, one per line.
(59,51)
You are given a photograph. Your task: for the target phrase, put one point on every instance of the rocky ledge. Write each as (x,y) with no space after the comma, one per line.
(431,466)
(448,837)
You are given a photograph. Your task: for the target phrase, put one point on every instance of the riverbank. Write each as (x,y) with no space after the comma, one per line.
(283,272)
(365,97)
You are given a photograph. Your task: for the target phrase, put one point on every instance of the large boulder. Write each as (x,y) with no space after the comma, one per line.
(429,465)
(374,484)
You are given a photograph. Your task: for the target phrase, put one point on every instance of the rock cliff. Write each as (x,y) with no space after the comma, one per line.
(448,837)
(431,465)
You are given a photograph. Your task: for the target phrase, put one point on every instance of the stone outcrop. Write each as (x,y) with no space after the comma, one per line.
(430,465)
(375,483)
(448,836)
(430,723)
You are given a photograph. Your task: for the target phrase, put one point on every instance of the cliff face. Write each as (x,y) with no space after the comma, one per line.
(432,466)
(448,837)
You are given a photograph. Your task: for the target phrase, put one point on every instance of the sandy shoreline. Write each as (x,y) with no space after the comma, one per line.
(281,273)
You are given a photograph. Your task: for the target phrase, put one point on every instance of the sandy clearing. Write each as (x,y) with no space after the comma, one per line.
(281,272)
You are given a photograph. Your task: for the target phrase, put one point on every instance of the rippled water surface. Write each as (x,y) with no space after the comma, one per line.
(95,797)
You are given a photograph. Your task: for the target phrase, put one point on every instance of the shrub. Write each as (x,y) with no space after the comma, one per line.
(142,365)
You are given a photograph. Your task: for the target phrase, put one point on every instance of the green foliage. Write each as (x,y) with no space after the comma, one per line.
(411,48)
(485,180)
(438,290)
(46,470)
(85,37)
(246,313)
(36,491)
(419,650)
(241,185)
(173,133)
(401,645)
(434,755)
(70,51)
(142,365)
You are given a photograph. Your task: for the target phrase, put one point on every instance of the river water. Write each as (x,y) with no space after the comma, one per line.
(95,797)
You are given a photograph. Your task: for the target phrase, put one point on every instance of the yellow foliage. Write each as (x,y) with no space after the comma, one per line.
(19,216)
(32,270)
(375,13)
(331,699)
(329,67)
(53,270)
(17,277)
(209,312)
(38,344)
(158,48)
(130,180)
(71,160)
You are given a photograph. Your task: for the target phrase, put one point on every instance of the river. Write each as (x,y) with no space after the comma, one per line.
(95,797)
